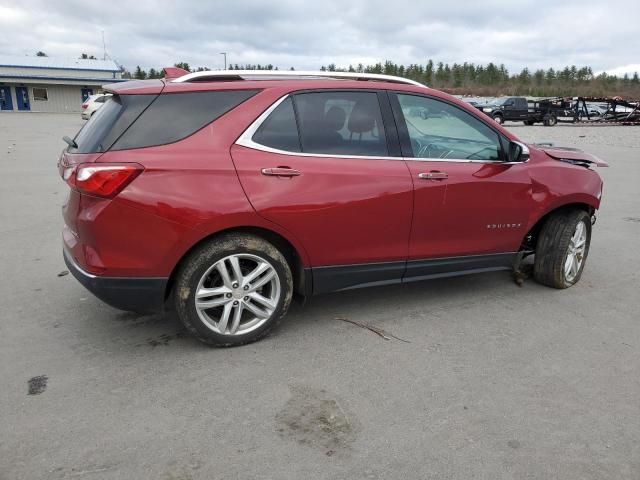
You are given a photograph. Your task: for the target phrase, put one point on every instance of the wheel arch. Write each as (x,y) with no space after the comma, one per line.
(529,240)
(302,279)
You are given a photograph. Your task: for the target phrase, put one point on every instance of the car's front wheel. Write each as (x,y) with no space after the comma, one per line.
(562,248)
(233,290)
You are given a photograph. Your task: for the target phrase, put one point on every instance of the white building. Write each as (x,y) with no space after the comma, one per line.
(46,84)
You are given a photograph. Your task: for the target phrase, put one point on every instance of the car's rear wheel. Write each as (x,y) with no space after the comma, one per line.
(562,249)
(233,290)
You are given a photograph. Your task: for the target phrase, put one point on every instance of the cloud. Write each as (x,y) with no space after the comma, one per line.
(306,35)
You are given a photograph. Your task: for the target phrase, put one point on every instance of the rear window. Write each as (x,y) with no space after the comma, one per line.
(135,121)
(109,122)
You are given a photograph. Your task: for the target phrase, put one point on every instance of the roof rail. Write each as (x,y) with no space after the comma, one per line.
(230,75)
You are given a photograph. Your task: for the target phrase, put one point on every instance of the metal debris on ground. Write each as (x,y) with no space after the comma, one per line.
(378,331)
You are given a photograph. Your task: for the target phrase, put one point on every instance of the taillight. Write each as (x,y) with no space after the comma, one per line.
(84,105)
(101,180)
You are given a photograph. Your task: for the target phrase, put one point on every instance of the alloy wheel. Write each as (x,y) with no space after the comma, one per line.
(238,294)
(575,252)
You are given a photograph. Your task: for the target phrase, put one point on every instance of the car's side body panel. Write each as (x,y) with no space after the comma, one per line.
(352,222)
(345,211)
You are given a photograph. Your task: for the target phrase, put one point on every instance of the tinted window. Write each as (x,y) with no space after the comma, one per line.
(341,123)
(440,130)
(109,121)
(279,130)
(174,116)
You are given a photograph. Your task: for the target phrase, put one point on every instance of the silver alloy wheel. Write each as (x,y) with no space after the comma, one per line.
(237,294)
(575,252)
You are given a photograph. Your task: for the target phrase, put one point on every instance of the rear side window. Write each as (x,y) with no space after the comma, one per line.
(341,123)
(328,122)
(280,130)
(174,116)
(134,121)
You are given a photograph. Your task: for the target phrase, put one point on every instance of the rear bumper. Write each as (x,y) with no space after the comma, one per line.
(131,294)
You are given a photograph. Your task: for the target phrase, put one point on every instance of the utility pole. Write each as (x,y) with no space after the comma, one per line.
(225,59)
(104,47)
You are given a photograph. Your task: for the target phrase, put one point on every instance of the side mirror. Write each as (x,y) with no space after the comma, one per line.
(518,152)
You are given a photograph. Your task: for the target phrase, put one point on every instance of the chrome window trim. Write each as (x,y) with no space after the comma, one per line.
(246,140)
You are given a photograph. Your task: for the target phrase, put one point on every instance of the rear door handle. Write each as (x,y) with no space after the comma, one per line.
(281,172)
(433,175)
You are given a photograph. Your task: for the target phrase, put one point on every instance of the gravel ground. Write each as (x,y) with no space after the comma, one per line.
(497,382)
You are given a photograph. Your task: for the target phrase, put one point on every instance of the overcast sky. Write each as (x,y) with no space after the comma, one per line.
(308,34)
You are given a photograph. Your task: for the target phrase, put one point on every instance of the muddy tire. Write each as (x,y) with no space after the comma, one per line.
(562,249)
(233,290)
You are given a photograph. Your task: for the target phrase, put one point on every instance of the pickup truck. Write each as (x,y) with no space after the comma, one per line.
(520,109)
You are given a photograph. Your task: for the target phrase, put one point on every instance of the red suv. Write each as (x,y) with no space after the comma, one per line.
(223,194)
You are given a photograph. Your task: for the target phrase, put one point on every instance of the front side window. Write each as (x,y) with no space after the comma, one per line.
(440,130)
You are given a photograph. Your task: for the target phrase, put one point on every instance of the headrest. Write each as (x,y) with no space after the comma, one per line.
(334,118)
(362,118)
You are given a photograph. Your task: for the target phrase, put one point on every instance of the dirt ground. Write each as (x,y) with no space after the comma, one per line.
(495,382)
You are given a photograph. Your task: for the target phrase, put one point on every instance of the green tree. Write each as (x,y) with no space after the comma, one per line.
(183,65)
(139,74)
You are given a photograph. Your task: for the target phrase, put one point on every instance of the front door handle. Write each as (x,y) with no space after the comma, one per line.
(433,175)
(281,172)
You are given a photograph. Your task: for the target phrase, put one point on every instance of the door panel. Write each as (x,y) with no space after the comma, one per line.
(344,210)
(5,98)
(22,98)
(479,208)
(468,201)
(86,92)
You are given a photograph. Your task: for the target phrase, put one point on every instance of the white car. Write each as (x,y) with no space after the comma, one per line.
(93,103)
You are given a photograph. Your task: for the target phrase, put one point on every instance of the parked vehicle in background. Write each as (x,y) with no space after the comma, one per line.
(546,111)
(224,194)
(93,103)
(508,108)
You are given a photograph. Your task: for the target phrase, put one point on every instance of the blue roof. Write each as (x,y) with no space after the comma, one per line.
(58,63)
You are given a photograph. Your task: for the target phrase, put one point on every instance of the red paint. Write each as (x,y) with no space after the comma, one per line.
(337,211)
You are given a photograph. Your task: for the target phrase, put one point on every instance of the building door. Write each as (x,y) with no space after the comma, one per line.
(22,98)
(5,98)
(85,94)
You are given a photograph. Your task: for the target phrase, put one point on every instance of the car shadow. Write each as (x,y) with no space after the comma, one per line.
(384,306)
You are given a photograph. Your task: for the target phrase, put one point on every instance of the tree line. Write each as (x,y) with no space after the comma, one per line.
(474,79)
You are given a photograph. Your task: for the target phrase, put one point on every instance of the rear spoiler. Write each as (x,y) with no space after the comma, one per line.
(173,72)
(133,87)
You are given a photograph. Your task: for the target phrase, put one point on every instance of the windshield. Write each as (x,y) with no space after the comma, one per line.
(498,101)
